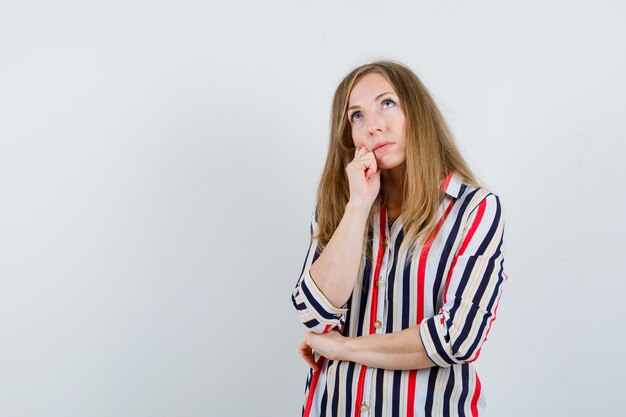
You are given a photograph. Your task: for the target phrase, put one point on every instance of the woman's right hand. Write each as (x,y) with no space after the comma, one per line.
(363,178)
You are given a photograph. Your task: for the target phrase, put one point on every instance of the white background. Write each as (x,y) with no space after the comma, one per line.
(158,166)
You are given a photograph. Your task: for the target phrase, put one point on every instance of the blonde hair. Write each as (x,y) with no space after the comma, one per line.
(431,154)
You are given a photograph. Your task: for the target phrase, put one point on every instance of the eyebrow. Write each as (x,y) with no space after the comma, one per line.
(377,97)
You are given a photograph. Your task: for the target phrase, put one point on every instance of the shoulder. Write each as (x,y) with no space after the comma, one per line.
(478,198)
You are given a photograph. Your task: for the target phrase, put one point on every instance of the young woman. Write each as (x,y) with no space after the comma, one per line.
(402,279)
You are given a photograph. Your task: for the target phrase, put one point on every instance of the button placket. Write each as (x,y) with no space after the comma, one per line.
(367,391)
(380,282)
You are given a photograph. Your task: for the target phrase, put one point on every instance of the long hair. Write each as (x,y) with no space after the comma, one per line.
(431,154)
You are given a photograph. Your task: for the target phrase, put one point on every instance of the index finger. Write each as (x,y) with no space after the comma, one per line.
(362,150)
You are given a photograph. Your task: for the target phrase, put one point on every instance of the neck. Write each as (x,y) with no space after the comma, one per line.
(393,186)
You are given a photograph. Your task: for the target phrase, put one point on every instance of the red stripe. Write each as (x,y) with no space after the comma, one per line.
(421,270)
(421,274)
(475,397)
(446,181)
(410,399)
(374,297)
(470,233)
(495,314)
(314,378)
(379,259)
(359,392)
(465,244)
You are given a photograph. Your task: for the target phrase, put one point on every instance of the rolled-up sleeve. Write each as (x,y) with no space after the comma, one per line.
(313,308)
(473,290)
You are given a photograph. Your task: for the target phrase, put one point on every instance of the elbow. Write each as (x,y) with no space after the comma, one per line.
(467,355)
(317,326)
(467,344)
(444,349)
(313,316)
(314,310)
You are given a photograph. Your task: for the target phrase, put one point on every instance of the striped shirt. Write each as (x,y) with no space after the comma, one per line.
(450,288)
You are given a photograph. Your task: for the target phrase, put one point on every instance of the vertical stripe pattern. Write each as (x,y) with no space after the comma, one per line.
(450,288)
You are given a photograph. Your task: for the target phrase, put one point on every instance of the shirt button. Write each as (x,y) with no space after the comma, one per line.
(380,282)
(378,324)
(364,408)
(386,241)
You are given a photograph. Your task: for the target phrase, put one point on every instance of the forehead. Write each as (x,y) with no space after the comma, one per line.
(368,88)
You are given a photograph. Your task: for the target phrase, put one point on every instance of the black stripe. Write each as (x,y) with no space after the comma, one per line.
(309,376)
(489,309)
(473,311)
(378,409)
(335,403)
(346,328)
(295,293)
(316,306)
(391,282)
(480,290)
(462,189)
(324,398)
(395,394)
(349,377)
(406,298)
(447,397)
(339,399)
(293,298)
(464,389)
(311,323)
(492,229)
(446,253)
(432,378)
(435,338)
(367,271)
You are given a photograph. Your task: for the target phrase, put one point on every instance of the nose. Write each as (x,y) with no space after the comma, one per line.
(374,123)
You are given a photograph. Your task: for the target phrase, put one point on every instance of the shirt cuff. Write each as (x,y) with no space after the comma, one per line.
(433,334)
(318,304)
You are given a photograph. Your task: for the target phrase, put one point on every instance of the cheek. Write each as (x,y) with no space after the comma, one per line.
(399,123)
(357,138)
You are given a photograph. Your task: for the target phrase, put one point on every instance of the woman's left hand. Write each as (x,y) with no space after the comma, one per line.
(331,345)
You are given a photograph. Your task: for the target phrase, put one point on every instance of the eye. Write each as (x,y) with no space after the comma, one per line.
(356,113)
(388,100)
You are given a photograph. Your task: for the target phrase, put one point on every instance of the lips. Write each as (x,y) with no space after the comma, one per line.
(383,143)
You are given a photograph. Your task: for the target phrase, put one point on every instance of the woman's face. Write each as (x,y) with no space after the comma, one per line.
(375,116)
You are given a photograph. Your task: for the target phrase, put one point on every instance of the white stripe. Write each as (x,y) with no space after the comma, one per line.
(432,312)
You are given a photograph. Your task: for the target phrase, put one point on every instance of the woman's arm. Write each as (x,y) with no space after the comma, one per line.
(327,278)
(326,281)
(400,350)
(336,269)
(457,333)
(397,351)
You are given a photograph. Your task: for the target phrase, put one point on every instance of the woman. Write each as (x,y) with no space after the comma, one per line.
(403,276)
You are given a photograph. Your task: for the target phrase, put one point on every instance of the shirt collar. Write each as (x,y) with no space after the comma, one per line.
(452,185)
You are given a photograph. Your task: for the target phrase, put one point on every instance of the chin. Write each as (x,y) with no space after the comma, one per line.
(389,165)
